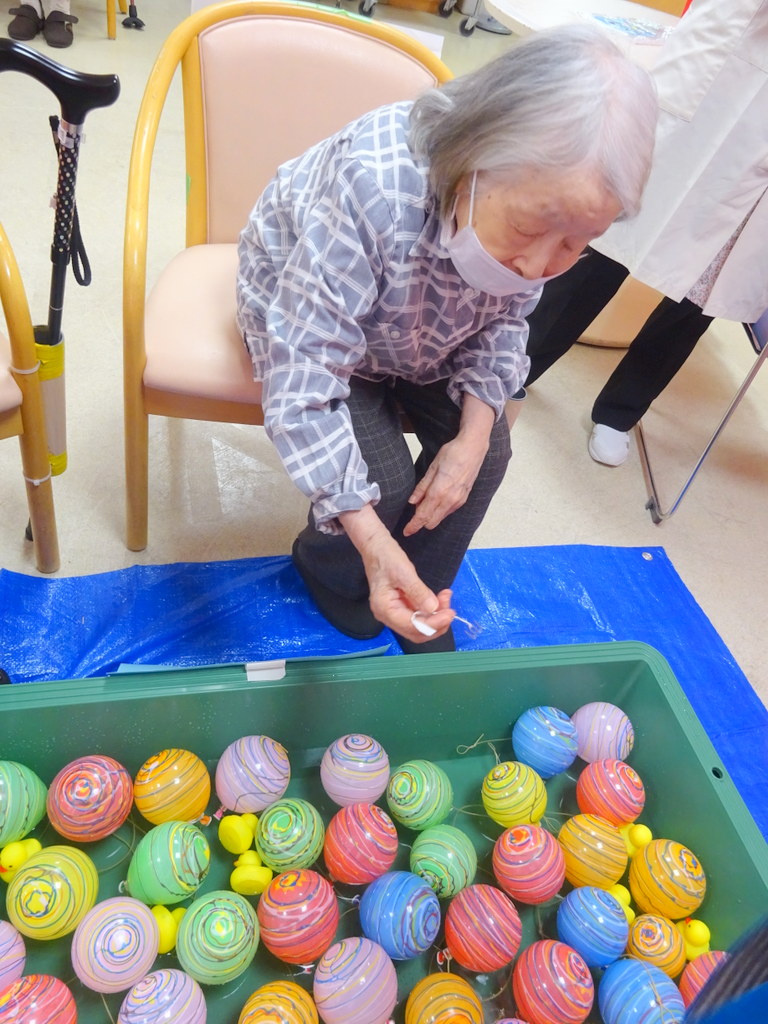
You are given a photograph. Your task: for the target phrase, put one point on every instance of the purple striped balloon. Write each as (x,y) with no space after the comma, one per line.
(13,954)
(252,773)
(355,983)
(164,997)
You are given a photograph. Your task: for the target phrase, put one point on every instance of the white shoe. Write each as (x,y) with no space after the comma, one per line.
(608,446)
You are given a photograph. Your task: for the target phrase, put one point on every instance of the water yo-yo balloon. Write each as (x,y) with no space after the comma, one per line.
(545,739)
(594,851)
(443,998)
(528,863)
(698,972)
(164,997)
(279,1002)
(667,878)
(37,999)
(592,921)
(13,954)
(482,929)
(658,941)
(22,801)
(90,798)
(419,795)
(51,893)
(290,834)
(355,983)
(360,844)
(298,916)
(115,945)
(611,789)
(551,982)
(169,864)
(252,773)
(354,769)
(172,785)
(604,731)
(514,794)
(217,937)
(445,858)
(401,913)
(633,990)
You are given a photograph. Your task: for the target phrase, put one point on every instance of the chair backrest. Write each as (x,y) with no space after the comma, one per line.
(265,82)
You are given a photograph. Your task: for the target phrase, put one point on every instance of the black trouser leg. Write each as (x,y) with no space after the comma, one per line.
(436,554)
(568,306)
(657,352)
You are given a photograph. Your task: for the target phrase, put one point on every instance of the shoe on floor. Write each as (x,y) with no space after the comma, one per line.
(352,618)
(26,24)
(608,446)
(57,29)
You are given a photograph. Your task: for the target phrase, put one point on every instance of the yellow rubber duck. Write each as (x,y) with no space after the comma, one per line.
(696,936)
(635,837)
(250,877)
(236,832)
(168,925)
(623,895)
(15,854)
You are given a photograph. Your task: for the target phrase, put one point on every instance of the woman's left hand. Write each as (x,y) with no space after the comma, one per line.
(446,484)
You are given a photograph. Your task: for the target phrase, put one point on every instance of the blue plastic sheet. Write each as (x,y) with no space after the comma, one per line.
(192,614)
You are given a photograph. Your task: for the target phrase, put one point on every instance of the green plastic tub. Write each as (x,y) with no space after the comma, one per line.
(432,707)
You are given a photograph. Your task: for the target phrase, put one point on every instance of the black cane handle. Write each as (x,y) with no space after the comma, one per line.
(77,91)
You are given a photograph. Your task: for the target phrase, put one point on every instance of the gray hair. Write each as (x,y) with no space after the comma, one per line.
(565,98)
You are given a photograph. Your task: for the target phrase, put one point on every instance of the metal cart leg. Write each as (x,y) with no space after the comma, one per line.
(653,504)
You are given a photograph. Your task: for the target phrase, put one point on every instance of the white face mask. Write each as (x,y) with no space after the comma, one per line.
(481,270)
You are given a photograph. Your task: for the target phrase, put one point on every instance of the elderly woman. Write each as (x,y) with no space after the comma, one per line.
(388,271)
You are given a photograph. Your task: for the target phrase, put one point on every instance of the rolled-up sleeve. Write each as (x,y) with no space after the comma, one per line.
(492,364)
(326,286)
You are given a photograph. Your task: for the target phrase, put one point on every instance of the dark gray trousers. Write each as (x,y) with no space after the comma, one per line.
(375,409)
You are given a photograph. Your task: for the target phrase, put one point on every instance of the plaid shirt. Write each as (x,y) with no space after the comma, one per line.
(343,270)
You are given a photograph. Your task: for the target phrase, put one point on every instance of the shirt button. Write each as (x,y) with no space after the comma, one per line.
(394,335)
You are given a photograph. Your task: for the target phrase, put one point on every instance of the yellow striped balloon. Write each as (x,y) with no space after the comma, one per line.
(594,851)
(514,794)
(443,998)
(52,892)
(666,878)
(172,785)
(279,1002)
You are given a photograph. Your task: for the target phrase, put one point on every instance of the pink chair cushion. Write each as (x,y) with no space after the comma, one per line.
(10,396)
(193,344)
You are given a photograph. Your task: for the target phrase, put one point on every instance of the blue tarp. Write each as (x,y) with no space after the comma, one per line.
(256,609)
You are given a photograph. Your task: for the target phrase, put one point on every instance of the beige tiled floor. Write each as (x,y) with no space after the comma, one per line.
(217,492)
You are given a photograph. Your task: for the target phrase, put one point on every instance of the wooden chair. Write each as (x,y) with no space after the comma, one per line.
(21,409)
(261,83)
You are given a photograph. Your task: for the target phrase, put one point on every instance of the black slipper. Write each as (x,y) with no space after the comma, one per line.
(440,645)
(352,618)
(57,29)
(26,24)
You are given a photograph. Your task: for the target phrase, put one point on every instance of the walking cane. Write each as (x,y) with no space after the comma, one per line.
(77,93)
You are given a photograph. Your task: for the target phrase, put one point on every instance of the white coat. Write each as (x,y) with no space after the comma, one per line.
(710,165)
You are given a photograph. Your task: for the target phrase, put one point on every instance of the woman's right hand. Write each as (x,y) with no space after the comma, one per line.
(396,591)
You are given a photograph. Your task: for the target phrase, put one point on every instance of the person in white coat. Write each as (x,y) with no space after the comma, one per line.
(700,236)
